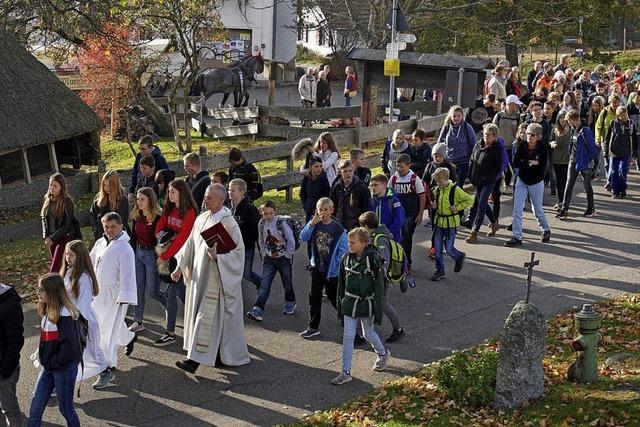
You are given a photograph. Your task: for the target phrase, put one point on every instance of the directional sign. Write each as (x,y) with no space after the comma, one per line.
(405,38)
(580,53)
(392,67)
(391,54)
(398,46)
(570,40)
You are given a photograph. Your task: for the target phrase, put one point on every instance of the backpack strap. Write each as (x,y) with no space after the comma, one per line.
(452,195)
(412,184)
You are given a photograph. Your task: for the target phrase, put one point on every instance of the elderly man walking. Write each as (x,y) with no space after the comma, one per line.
(213,313)
(307,87)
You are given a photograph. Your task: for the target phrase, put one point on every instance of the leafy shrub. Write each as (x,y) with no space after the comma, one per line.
(469,379)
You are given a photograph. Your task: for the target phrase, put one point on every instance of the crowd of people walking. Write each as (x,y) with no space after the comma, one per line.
(151,239)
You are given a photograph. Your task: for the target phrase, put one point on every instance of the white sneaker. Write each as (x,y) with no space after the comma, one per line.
(136,327)
(344,377)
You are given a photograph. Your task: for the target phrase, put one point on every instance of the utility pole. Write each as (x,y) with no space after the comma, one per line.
(393,46)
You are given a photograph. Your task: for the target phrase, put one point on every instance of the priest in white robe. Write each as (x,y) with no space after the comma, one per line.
(114,263)
(213,310)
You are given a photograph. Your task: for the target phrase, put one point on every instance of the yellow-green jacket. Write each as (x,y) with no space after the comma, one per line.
(445,218)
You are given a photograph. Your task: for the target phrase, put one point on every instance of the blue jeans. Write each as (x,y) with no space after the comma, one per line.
(349,333)
(270,266)
(618,170)
(249,274)
(462,170)
(347,101)
(408,228)
(482,197)
(63,381)
(535,193)
(147,279)
(174,291)
(445,238)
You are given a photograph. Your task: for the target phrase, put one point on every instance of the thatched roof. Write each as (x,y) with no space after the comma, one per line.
(35,106)
(430,60)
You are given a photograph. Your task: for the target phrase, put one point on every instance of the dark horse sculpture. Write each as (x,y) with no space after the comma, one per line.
(235,79)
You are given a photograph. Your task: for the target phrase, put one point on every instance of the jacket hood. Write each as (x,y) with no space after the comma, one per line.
(403,146)
(382,229)
(166,176)
(8,293)
(156,151)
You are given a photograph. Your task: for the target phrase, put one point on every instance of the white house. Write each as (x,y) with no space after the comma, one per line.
(315,34)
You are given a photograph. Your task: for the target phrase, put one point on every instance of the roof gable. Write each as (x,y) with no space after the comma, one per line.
(35,106)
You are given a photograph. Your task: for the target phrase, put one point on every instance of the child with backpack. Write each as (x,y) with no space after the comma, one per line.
(439,153)
(59,350)
(247,217)
(410,190)
(360,300)
(449,199)
(82,285)
(390,252)
(387,206)
(328,244)
(277,246)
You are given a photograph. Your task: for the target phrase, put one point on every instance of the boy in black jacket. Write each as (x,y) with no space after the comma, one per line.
(247,217)
(420,151)
(244,170)
(315,186)
(11,342)
(350,196)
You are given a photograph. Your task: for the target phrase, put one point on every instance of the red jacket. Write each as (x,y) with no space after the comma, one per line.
(182,227)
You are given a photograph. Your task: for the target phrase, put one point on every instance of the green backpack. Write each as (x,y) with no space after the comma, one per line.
(396,270)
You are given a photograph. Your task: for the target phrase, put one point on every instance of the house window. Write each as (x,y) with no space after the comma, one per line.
(322,37)
(300,33)
(306,35)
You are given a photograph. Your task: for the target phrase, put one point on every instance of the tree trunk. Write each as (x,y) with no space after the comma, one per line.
(511,53)
(163,126)
(175,121)
(186,105)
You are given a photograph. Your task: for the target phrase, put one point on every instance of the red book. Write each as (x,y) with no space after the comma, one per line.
(218,234)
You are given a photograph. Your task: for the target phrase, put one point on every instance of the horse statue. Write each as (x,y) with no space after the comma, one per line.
(236,79)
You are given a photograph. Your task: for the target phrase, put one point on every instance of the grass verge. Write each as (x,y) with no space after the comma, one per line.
(418,399)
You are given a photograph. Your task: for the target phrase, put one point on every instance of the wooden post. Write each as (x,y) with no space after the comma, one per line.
(25,166)
(53,158)
(289,191)
(356,134)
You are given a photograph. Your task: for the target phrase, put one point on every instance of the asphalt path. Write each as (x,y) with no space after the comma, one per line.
(588,259)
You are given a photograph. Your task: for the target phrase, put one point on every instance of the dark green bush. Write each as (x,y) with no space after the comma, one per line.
(469,378)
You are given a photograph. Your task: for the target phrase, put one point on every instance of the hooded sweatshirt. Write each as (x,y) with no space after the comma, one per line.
(361,286)
(391,153)
(312,190)
(349,202)
(390,212)
(11,330)
(460,140)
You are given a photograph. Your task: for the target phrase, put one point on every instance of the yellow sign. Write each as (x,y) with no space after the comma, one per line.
(392,67)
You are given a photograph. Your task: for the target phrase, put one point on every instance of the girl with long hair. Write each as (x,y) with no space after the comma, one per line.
(59,225)
(178,217)
(569,102)
(460,139)
(112,197)
(597,106)
(146,216)
(82,285)
(328,151)
(59,350)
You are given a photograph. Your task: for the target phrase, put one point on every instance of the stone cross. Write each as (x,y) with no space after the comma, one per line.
(529,266)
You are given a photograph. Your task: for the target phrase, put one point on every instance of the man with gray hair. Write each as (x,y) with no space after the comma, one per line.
(307,87)
(213,311)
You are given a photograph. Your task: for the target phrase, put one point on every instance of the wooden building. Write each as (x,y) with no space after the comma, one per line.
(43,124)
(418,71)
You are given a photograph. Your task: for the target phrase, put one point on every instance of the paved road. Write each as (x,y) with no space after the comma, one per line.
(588,259)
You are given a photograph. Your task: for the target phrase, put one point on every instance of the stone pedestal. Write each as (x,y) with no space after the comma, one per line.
(523,345)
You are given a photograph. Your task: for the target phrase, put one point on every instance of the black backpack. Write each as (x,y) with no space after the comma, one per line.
(82,333)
